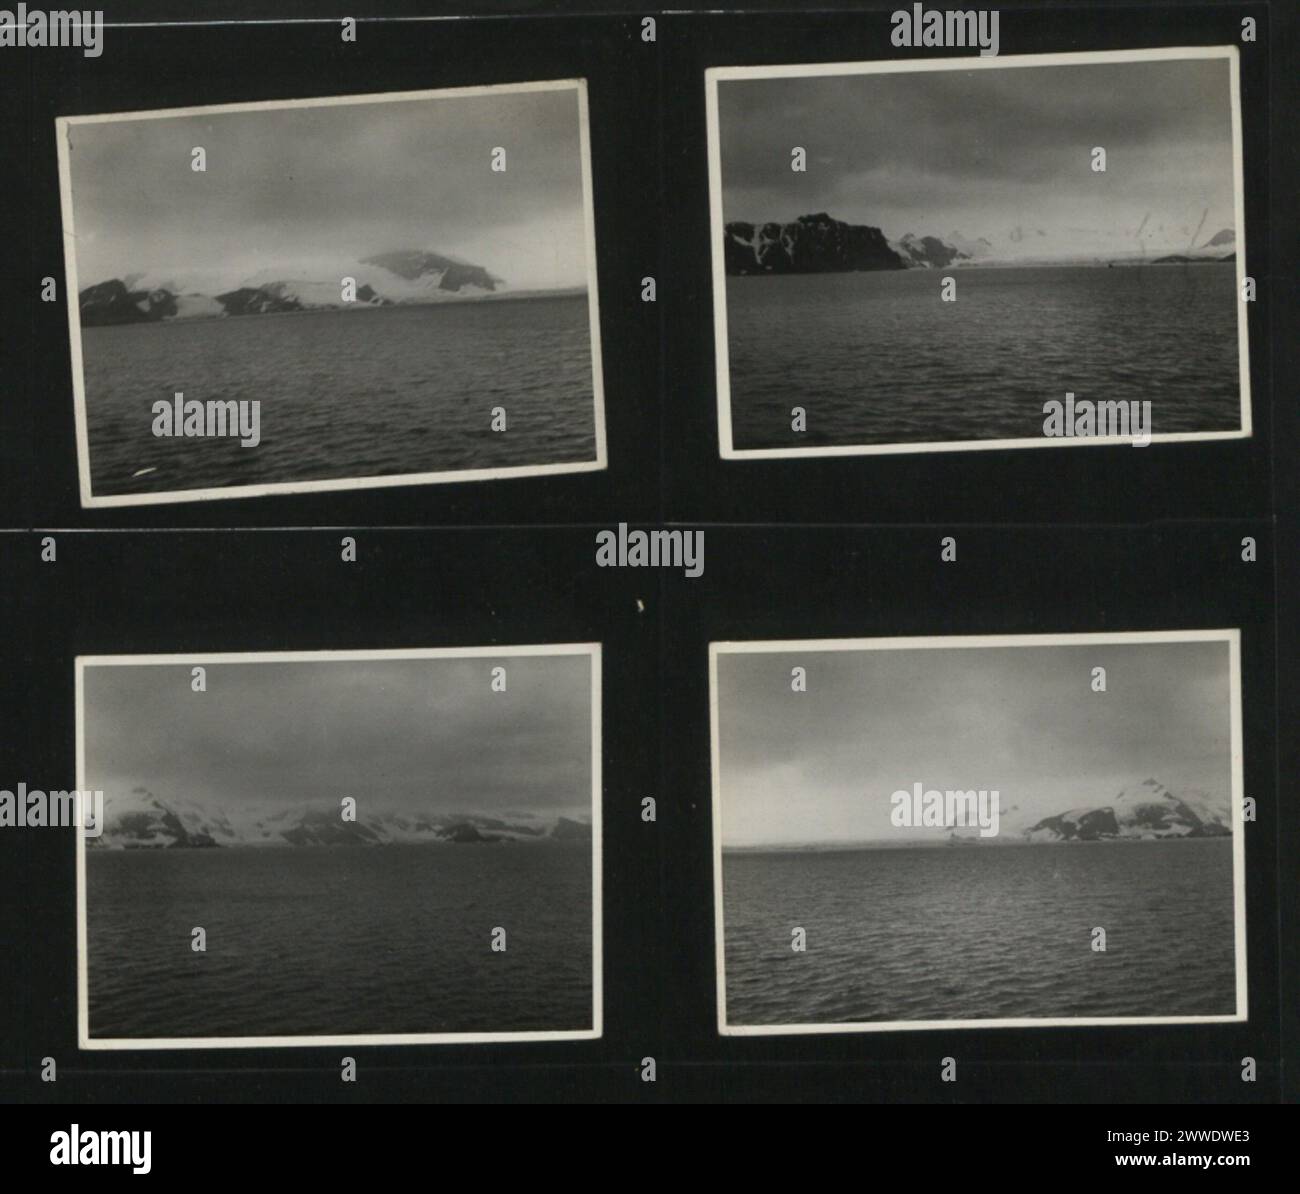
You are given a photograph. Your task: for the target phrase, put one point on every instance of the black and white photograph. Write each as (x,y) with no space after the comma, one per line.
(326,294)
(1019,251)
(352,847)
(997,831)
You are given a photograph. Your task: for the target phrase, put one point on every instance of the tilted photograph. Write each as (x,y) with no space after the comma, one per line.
(326,294)
(975,253)
(304,848)
(986,832)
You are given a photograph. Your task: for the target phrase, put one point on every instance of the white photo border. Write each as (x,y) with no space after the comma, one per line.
(717,227)
(948,642)
(333,484)
(592,650)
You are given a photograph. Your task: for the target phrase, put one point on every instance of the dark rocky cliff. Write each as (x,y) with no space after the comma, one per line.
(111,303)
(809,245)
(1091,826)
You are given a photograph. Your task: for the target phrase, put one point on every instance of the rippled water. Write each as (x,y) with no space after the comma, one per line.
(980,932)
(345,394)
(392,939)
(878,358)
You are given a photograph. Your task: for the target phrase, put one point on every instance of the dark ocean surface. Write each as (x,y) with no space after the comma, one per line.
(878,358)
(321,940)
(975,932)
(345,394)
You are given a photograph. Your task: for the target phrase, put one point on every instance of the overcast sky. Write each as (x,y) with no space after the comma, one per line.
(310,187)
(423,735)
(820,766)
(1000,153)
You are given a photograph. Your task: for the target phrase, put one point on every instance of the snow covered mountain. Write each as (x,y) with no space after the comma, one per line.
(386,279)
(141,820)
(1145,810)
(974,249)
(928,252)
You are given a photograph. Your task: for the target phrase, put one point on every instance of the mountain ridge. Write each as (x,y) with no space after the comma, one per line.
(140,820)
(1146,810)
(810,244)
(395,278)
(819,243)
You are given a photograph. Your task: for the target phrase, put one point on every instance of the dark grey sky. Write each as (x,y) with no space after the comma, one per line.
(316,186)
(820,766)
(995,153)
(426,735)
